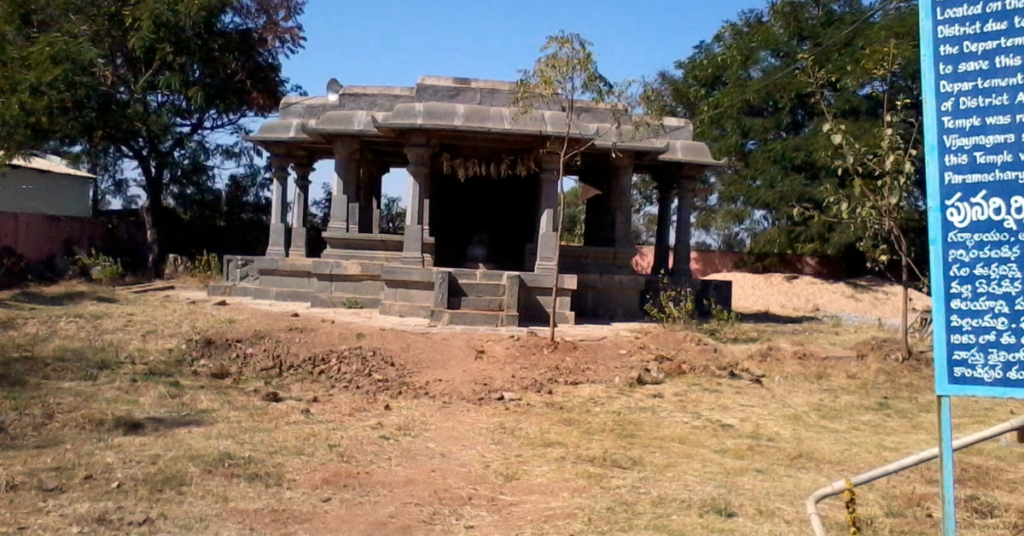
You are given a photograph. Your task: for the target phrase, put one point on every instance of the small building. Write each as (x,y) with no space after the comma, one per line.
(480,240)
(48,186)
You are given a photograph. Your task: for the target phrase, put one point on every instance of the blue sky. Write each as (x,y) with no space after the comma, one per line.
(394,42)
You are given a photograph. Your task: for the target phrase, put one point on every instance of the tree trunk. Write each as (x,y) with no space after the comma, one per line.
(905,328)
(558,242)
(152,213)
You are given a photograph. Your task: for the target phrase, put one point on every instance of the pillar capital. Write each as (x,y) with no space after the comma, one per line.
(621,160)
(345,147)
(302,172)
(279,166)
(549,166)
(666,188)
(419,159)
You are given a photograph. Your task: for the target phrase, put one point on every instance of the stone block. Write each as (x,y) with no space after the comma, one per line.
(343,302)
(287,295)
(244,291)
(262,293)
(512,284)
(366,288)
(479,290)
(564,303)
(265,263)
(476,304)
(322,267)
(469,318)
(285,281)
(405,310)
(278,241)
(510,320)
(294,266)
(447,94)
(541,319)
(442,285)
(534,280)
(468,275)
(322,286)
(407,273)
(413,295)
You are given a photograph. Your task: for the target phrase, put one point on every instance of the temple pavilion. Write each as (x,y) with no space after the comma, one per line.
(480,238)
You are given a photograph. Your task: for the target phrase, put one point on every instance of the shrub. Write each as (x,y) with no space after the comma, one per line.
(205,267)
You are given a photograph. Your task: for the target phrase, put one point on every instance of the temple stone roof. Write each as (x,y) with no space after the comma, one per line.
(470,106)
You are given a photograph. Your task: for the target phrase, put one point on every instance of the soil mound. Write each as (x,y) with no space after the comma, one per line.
(370,371)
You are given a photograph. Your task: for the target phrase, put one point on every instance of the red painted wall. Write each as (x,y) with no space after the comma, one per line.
(704,263)
(37,237)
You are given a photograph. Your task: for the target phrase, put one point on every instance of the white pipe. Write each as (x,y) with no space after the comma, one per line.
(839,486)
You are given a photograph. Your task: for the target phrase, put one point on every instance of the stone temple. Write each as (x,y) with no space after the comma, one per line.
(480,238)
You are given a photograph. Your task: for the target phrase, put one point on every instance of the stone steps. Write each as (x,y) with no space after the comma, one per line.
(492,319)
(477,289)
(473,303)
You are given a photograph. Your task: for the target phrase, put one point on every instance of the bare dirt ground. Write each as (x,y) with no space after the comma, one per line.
(174,413)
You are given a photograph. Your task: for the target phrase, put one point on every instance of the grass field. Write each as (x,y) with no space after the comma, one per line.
(110,423)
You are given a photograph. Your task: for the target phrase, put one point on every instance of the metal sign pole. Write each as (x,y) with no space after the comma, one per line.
(946,460)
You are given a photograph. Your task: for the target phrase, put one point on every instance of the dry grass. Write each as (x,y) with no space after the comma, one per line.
(105,430)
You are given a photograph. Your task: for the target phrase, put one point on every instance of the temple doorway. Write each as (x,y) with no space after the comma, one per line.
(484,222)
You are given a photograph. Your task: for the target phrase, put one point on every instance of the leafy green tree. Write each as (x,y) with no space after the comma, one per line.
(745,94)
(575,216)
(392,215)
(883,205)
(155,92)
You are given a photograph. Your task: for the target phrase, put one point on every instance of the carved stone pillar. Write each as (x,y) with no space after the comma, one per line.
(622,199)
(666,191)
(681,273)
(344,199)
(419,174)
(428,191)
(547,233)
(278,246)
(300,211)
(378,199)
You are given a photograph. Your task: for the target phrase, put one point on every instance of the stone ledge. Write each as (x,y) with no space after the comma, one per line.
(335,301)
(351,268)
(534,280)
(407,273)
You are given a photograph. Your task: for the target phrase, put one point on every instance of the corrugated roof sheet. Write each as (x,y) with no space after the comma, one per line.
(42,164)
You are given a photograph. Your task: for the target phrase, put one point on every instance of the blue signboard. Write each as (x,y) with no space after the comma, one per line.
(973,83)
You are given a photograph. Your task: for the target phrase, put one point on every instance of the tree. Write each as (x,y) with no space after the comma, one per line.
(883,204)
(155,92)
(575,215)
(392,215)
(566,71)
(744,92)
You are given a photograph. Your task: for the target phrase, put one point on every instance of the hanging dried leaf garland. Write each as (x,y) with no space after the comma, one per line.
(521,166)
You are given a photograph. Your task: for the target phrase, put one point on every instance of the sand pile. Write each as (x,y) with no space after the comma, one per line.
(867,297)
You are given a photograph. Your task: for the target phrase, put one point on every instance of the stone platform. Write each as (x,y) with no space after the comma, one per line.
(448,296)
